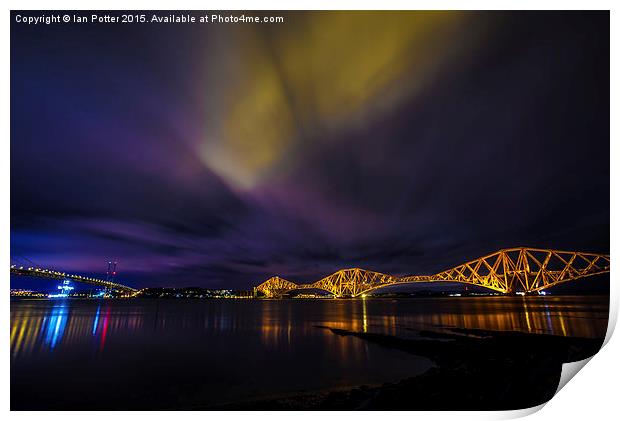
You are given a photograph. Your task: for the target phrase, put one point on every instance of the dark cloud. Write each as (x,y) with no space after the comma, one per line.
(160,147)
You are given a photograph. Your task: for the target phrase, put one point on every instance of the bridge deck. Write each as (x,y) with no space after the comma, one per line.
(51,274)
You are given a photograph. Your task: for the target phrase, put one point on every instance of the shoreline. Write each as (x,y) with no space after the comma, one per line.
(472,369)
(463,368)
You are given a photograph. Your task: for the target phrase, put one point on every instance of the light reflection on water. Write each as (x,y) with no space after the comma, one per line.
(254,347)
(40,326)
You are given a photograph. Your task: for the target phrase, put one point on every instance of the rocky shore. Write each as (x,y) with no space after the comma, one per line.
(473,370)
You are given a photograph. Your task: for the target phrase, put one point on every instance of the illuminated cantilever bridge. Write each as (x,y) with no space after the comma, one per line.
(508,271)
(52,274)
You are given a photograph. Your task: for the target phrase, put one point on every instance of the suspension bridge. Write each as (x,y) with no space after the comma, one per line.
(508,271)
(27,268)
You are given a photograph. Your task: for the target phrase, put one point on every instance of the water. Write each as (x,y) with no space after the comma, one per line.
(151,354)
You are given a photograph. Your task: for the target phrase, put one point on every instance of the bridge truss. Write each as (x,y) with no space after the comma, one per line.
(507,271)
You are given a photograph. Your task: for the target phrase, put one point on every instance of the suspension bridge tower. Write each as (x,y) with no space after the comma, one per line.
(110,276)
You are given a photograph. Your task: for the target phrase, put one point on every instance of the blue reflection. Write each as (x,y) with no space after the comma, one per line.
(56,324)
(547,314)
(96,321)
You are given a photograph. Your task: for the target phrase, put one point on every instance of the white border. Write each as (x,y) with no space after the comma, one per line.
(591,394)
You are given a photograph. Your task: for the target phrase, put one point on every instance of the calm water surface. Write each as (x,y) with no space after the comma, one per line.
(185,353)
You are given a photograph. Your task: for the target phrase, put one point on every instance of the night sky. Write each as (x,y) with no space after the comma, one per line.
(220,155)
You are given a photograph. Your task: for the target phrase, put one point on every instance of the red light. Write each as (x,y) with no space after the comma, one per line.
(113,273)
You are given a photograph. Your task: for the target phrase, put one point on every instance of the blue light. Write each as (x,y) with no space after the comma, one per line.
(56,326)
(99,294)
(65,288)
(96,321)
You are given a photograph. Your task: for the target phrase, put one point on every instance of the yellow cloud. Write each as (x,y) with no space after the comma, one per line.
(318,72)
